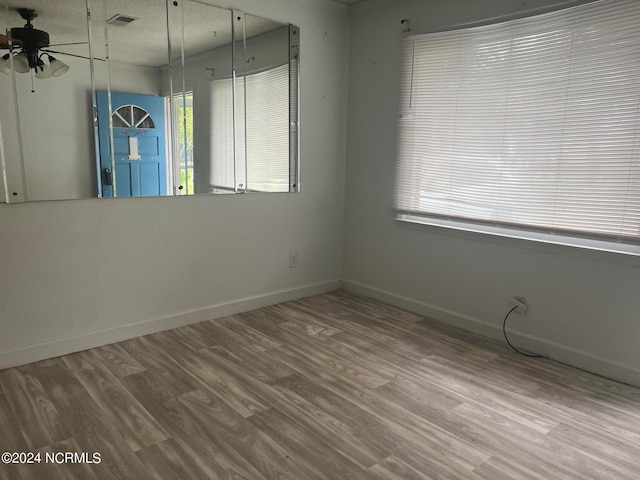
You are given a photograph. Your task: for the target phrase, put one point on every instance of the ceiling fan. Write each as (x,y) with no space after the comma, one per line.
(28,47)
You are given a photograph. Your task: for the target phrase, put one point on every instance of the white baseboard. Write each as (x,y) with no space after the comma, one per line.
(565,354)
(63,346)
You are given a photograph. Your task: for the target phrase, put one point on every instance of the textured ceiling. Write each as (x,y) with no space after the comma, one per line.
(142,42)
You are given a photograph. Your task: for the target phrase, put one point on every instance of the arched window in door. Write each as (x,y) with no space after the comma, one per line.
(130,116)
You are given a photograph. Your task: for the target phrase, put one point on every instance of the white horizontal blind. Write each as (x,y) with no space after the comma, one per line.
(265,161)
(531,123)
(268,130)
(221,142)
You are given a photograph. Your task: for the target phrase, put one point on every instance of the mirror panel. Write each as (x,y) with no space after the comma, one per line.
(200,54)
(132,112)
(54,113)
(239,105)
(264,82)
(12,174)
(175,98)
(294,108)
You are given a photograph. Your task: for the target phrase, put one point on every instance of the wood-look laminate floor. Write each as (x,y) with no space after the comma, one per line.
(329,387)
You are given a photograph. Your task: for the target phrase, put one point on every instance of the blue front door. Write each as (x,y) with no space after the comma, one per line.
(139,145)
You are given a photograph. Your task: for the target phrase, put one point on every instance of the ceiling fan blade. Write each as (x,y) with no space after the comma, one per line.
(72,55)
(64,44)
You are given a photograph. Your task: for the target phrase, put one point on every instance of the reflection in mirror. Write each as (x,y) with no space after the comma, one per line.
(201,37)
(264,83)
(161,98)
(53,97)
(224,158)
(132,134)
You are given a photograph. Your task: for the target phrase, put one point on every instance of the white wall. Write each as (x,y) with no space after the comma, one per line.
(80,273)
(584,308)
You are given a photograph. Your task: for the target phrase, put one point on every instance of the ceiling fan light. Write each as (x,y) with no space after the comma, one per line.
(43,72)
(57,67)
(5,66)
(20,63)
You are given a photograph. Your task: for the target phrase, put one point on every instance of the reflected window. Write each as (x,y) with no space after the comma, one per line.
(262,127)
(183,113)
(131,116)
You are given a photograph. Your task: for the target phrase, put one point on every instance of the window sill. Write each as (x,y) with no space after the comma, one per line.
(595,250)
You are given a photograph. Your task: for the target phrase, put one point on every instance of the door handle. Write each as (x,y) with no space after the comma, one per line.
(107,177)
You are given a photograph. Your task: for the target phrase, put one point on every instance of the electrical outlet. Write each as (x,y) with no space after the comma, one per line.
(293,260)
(520,303)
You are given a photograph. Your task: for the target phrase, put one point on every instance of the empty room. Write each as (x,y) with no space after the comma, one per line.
(320,239)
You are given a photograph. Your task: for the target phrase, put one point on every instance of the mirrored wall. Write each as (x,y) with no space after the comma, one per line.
(113,98)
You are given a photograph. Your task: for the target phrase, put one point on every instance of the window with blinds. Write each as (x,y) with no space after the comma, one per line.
(259,161)
(527,125)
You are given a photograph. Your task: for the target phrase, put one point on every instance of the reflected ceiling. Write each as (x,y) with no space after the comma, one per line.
(64,20)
